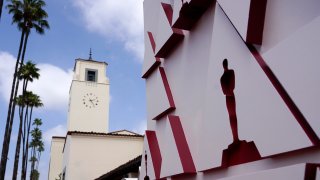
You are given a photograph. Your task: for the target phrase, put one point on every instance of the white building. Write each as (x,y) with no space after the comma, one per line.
(198,108)
(88,150)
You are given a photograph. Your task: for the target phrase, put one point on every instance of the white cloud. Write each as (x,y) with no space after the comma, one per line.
(59,130)
(120,19)
(52,86)
(7,64)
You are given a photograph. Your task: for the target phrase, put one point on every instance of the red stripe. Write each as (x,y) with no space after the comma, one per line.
(167,111)
(311,171)
(285,96)
(166,86)
(155,152)
(157,61)
(176,36)
(182,145)
(168,11)
(152,68)
(151,39)
(168,93)
(256,21)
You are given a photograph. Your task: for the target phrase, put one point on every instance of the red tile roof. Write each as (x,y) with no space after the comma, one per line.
(102,134)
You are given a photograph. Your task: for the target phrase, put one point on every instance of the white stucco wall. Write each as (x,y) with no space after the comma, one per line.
(91,156)
(81,66)
(94,117)
(56,157)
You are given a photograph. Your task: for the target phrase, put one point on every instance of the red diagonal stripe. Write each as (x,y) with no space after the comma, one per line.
(152,42)
(311,171)
(256,21)
(182,145)
(168,93)
(155,152)
(285,96)
(166,86)
(168,11)
(157,61)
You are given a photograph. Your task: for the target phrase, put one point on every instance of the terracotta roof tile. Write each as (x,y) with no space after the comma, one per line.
(102,134)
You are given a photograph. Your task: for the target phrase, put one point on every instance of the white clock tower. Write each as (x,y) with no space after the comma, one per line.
(89,97)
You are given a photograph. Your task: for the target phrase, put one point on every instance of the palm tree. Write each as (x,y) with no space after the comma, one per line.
(35,101)
(37,147)
(28,15)
(27,73)
(26,101)
(21,101)
(29,100)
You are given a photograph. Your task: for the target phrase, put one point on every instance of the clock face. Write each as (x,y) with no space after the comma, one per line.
(90,100)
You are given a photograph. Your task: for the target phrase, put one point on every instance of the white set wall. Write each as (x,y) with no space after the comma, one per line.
(290,47)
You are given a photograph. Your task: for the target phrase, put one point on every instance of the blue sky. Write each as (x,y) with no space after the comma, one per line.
(114,31)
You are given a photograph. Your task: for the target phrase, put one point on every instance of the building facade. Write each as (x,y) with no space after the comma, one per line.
(232,89)
(56,159)
(89,150)
(89,97)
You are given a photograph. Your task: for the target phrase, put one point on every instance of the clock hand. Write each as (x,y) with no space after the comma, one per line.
(91,100)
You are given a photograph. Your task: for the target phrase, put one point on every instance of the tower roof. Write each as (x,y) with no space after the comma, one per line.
(87,60)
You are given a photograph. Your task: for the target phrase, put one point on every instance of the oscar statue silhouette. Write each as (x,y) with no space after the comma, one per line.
(239,151)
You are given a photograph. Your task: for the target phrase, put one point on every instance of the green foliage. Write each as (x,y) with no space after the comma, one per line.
(37,147)
(35,175)
(28,72)
(29,14)
(29,99)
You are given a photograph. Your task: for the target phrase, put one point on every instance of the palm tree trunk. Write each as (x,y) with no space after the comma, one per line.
(23,135)
(17,85)
(39,156)
(27,145)
(16,90)
(23,142)
(20,135)
(17,154)
(32,163)
(7,134)
(22,60)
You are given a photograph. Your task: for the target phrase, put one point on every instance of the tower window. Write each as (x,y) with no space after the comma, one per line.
(91,75)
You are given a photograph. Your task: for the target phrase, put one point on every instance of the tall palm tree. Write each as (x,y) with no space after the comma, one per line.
(28,15)
(21,101)
(26,73)
(37,147)
(35,102)
(29,100)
